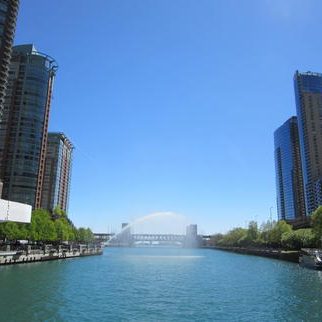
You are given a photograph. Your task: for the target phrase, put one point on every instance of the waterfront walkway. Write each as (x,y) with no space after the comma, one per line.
(32,253)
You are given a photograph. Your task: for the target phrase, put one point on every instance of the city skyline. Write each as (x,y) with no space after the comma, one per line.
(182,122)
(156,156)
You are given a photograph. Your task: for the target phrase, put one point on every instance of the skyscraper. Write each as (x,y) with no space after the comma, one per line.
(308,95)
(288,169)
(8,16)
(23,129)
(56,184)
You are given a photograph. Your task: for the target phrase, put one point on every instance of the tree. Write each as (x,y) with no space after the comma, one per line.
(58,212)
(252,232)
(85,235)
(316,220)
(42,228)
(49,231)
(9,230)
(299,238)
(265,230)
(275,234)
(233,236)
(61,228)
(251,238)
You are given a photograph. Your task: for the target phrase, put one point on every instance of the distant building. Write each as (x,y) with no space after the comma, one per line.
(124,225)
(8,17)
(23,128)
(308,94)
(288,170)
(57,175)
(103,237)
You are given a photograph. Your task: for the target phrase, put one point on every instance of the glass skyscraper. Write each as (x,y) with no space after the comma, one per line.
(24,126)
(8,17)
(308,95)
(58,166)
(289,180)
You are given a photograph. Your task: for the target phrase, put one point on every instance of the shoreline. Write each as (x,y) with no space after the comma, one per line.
(289,256)
(47,253)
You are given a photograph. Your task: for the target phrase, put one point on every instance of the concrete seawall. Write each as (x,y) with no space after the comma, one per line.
(46,253)
(290,256)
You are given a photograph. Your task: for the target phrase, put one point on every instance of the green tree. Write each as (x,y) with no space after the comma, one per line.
(42,228)
(58,212)
(23,231)
(85,235)
(49,231)
(252,231)
(72,232)
(265,230)
(89,235)
(299,238)
(316,220)
(233,237)
(275,234)
(10,231)
(252,237)
(62,230)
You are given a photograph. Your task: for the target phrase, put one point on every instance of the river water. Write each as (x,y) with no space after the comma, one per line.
(158,284)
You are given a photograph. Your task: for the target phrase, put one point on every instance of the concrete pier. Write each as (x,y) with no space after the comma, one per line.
(47,252)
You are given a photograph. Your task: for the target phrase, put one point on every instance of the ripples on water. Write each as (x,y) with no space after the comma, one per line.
(153,284)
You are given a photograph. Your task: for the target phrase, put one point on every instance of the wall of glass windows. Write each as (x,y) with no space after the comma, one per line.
(308,95)
(289,182)
(23,128)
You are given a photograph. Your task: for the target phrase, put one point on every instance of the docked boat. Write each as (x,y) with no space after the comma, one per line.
(311,258)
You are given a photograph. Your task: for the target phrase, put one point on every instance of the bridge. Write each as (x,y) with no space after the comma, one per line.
(128,239)
(158,237)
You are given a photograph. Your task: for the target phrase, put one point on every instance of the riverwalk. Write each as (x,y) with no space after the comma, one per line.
(290,256)
(27,254)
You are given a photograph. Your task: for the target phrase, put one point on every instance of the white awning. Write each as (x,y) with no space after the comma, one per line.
(15,211)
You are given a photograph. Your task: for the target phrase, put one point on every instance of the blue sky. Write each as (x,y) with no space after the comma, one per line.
(172,104)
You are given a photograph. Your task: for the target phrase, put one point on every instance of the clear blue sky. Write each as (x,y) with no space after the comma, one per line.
(172,104)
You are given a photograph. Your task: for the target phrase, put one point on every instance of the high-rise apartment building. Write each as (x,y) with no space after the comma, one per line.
(8,16)
(288,169)
(308,94)
(24,125)
(58,165)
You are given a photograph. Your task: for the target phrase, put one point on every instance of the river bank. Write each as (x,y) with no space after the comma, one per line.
(29,253)
(290,256)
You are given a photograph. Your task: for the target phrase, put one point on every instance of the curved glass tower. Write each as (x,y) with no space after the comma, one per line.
(24,126)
